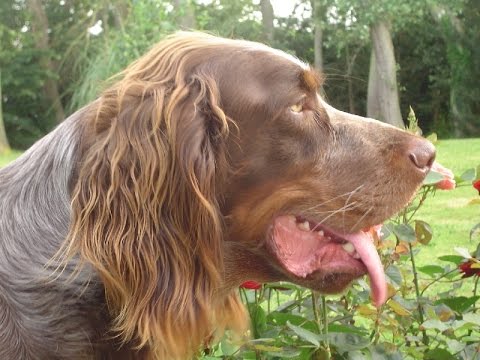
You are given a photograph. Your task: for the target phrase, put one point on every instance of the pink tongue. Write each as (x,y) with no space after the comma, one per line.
(366,249)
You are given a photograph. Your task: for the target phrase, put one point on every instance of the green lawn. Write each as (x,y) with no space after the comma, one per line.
(449,213)
(6,158)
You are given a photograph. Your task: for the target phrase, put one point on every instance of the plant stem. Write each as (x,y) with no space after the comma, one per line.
(325,327)
(318,321)
(315,312)
(417,292)
(475,287)
(436,280)
(420,203)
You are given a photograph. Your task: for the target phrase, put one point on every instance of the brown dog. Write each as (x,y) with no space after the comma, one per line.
(210,162)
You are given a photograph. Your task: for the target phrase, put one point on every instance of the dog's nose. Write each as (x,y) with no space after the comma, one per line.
(421,153)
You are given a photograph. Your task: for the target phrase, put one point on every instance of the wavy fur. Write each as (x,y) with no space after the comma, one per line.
(145,211)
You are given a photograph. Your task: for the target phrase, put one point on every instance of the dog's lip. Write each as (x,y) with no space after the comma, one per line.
(319,251)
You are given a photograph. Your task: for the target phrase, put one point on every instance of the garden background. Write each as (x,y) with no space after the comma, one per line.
(56,54)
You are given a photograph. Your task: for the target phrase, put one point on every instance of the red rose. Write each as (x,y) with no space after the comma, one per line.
(448,182)
(253,285)
(467,270)
(476,185)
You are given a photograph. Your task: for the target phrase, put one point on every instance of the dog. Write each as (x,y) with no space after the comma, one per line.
(125,232)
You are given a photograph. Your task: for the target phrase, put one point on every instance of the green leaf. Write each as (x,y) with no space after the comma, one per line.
(287,353)
(385,352)
(398,308)
(281,319)
(459,304)
(386,232)
(455,346)
(435,325)
(423,232)
(405,232)
(469,175)
(264,347)
(472,318)
(432,178)
(452,258)
(339,328)
(394,274)
(357,355)
(475,235)
(348,342)
(439,354)
(305,334)
(228,348)
(431,269)
(259,319)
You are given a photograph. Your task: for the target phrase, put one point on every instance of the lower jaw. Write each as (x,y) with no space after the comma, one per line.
(328,281)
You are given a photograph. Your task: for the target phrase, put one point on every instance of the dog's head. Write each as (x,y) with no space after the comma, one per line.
(215,161)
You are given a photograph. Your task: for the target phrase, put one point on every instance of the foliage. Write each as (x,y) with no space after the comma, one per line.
(437,55)
(113,50)
(19,56)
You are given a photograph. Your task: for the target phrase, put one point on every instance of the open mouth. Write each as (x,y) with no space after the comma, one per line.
(306,248)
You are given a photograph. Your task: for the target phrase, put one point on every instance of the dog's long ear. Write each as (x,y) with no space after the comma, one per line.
(145,212)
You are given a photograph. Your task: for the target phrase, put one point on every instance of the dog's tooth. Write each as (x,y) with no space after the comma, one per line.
(356,255)
(349,248)
(291,218)
(305,226)
(321,233)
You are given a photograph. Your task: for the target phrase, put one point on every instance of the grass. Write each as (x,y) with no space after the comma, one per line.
(9,156)
(448,212)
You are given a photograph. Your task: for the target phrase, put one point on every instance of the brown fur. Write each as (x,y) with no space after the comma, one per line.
(185,162)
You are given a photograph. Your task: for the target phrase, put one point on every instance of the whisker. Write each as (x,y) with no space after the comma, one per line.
(361,218)
(342,209)
(348,193)
(348,200)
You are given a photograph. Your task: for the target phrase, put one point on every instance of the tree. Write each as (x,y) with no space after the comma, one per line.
(318,12)
(267,20)
(459,27)
(40,28)
(4,145)
(186,14)
(383,99)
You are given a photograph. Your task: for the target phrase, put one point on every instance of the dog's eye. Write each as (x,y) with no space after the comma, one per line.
(297,108)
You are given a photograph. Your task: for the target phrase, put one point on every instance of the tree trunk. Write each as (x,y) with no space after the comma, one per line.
(4,145)
(373,98)
(39,23)
(186,14)
(350,59)
(317,12)
(383,101)
(267,20)
(120,13)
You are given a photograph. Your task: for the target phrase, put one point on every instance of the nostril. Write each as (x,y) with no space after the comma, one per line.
(422,154)
(413,158)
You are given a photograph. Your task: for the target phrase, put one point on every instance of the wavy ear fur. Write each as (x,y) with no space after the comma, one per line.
(145,212)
